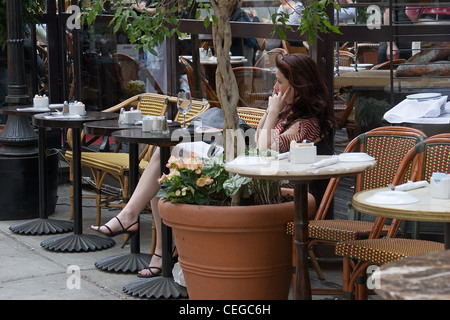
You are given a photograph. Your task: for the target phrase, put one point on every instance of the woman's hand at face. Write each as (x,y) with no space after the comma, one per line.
(278,100)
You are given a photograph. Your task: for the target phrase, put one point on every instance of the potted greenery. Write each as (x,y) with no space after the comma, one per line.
(227,252)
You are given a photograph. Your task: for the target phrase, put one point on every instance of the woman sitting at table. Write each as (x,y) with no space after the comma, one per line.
(298,110)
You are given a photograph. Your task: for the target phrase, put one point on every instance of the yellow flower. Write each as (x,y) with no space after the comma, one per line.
(204,181)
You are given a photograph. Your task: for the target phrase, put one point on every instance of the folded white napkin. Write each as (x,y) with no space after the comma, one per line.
(325,162)
(61,116)
(411,185)
(33,109)
(410,109)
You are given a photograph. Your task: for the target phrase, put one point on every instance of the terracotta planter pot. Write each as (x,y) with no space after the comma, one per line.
(233,252)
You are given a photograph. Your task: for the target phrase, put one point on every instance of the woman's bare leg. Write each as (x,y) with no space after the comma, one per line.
(155,266)
(145,191)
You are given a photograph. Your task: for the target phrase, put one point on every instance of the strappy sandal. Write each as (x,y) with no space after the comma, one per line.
(152,274)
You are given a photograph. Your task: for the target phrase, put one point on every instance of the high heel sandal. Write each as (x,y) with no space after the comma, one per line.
(111,234)
(152,274)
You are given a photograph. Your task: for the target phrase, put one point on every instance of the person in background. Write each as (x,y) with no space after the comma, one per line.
(243,46)
(299,109)
(346,14)
(400,50)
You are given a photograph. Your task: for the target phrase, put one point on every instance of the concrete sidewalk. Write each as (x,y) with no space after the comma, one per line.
(30,271)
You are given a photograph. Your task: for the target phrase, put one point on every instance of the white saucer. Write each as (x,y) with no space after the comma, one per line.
(237,57)
(355,157)
(392,197)
(424,96)
(250,161)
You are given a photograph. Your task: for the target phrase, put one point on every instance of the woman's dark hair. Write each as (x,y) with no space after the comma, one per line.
(311,95)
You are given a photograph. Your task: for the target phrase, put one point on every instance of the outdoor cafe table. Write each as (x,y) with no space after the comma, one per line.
(427,209)
(135,260)
(77,241)
(418,277)
(210,65)
(23,141)
(300,175)
(163,286)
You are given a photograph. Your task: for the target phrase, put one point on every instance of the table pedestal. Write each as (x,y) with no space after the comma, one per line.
(163,286)
(135,260)
(78,241)
(42,225)
(302,289)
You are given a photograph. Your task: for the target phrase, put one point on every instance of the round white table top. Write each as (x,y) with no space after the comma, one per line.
(426,209)
(275,169)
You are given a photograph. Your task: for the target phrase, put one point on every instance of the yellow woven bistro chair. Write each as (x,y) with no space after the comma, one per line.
(250,115)
(198,107)
(378,143)
(116,164)
(432,155)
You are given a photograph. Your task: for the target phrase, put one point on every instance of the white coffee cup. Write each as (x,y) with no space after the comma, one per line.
(77,109)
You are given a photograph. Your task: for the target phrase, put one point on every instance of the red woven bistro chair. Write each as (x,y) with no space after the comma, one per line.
(431,155)
(378,143)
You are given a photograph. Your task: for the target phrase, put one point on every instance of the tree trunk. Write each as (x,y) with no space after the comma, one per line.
(226,85)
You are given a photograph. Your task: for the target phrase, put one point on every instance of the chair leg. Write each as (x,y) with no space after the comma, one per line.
(347,292)
(315,264)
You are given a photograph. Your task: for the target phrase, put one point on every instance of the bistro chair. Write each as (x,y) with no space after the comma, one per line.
(304,48)
(250,115)
(268,59)
(432,155)
(378,143)
(368,53)
(255,86)
(207,91)
(116,164)
(131,69)
(345,58)
(198,107)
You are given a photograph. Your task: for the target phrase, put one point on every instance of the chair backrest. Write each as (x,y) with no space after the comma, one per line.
(304,49)
(250,115)
(345,58)
(268,59)
(388,145)
(198,107)
(368,53)
(428,156)
(255,86)
(207,91)
(131,69)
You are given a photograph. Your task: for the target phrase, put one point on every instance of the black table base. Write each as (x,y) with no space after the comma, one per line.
(42,226)
(77,243)
(128,262)
(158,287)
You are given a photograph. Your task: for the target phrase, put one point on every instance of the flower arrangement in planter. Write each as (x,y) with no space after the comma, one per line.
(194,181)
(243,250)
